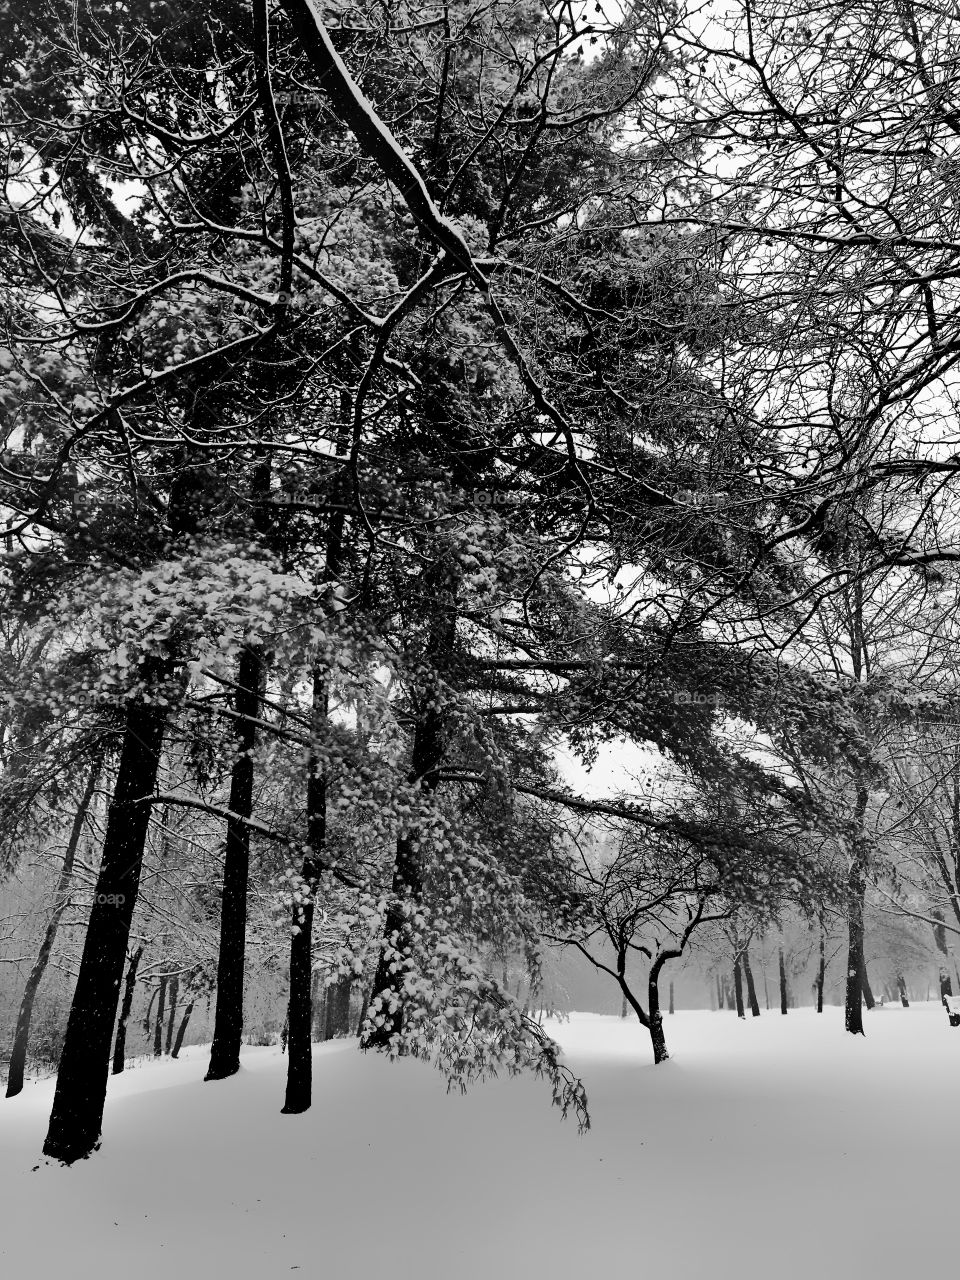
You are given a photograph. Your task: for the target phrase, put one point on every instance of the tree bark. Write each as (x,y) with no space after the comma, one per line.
(120,1043)
(751,989)
(158,1025)
(228,1017)
(856,892)
(719,993)
(299,1090)
(174,991)
(902,991)
(149,1012)
(865,986)
(655,1017)
(77,1114)
(738,988)
(406,883)
(21,1037)
(783,981)
(671,1008)
(821,971)
(182,1029)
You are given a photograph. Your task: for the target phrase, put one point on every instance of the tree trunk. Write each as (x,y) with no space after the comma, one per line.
(228,1018)
(120,1044)
(77,1114)
(173,992)
(751,989)
(657,1037)
(865,986)
(940,938)
(738,988)
(902,990)
(386,998)
(316,999)
(149,1012)
(337,1022)
(671,1009)
(158,1025)
(182,1029)
(21,1037)
(299,1090)
(623,1006)
(343,1009)
(320,1015)
(856,892)
(719,993)
(821,971)
(783,981)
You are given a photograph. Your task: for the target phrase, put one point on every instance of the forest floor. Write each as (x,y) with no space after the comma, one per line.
(776,1148)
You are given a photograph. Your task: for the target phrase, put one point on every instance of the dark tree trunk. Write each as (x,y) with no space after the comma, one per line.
(671,1009)
(738,988)
(623,1006)
(946,987)
(158,1025)
(299,1090)
(343,1008)
(320,1015)
(853,1013)
(182,1029)
(865,987)
(120,1043)
(337,1010)
(751,989)
(228,1018)
(387,992)
(77,1114)
(388,979)
(173,993)
(821,972)
(902,991)
(149,1012)
(719,993)
(856,891)
(655,1016)
(366,1000)
(316,1000)
(783,981)
(21,1037)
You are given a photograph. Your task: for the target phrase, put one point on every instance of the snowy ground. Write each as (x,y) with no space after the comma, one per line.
(771,1148)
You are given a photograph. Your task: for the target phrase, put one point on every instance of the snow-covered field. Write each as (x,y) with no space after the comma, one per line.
(772,1148)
